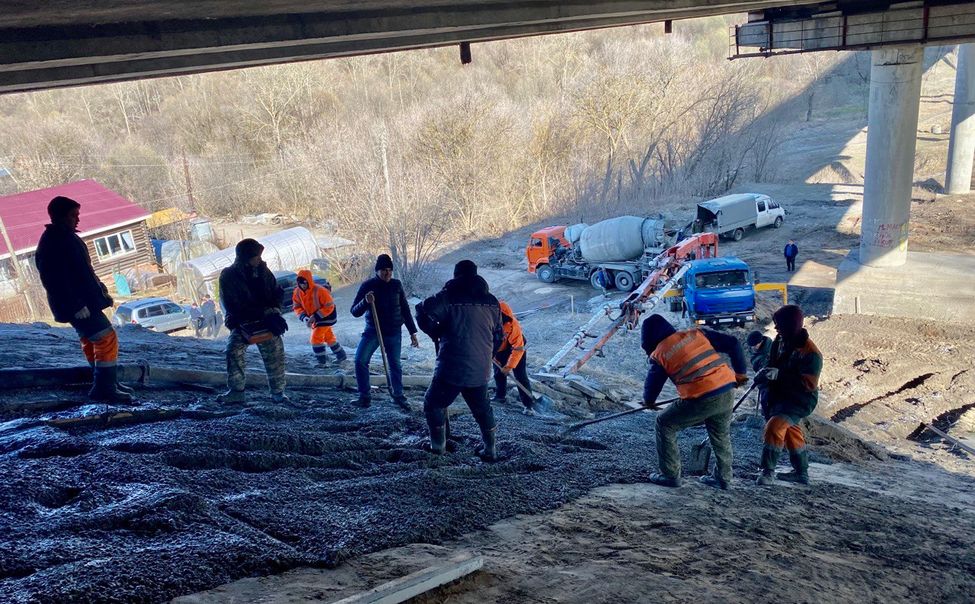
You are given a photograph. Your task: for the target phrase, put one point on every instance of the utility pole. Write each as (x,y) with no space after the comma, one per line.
(189,183)
(21,277)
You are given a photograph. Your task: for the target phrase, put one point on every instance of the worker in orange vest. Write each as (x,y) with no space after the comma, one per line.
(705,383)
(512,358)
(315,308)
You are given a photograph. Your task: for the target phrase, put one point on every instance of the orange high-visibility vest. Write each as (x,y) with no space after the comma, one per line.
(316,302)
(513,336)
(692,363)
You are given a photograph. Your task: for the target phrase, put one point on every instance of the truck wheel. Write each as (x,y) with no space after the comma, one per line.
(624,281)
(777,223)
(738,234)
(592,281)
(545,273)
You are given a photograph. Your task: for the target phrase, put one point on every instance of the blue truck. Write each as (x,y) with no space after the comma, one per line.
(717,291)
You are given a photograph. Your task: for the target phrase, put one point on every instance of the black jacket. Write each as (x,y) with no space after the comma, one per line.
(391,305)
(466,319)
(64,265)
(247,293)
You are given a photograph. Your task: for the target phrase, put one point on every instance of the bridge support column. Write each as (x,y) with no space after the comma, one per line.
(961,146)
(895,95)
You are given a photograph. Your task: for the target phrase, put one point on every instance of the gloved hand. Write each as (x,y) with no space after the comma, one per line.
(740,379)
(274,310)
(772,373)
(276,324)
(82,314)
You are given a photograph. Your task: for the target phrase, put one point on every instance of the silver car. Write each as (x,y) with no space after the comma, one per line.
(158,314)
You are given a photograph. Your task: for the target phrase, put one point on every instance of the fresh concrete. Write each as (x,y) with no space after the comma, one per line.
(895,96)
(961,146)
(939,287)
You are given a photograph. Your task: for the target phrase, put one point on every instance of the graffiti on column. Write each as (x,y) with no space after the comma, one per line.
(891,235)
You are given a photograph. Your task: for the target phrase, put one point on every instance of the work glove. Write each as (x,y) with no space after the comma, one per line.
(740,379)
(414,342)
(82,314)
(274,310)
(771,373)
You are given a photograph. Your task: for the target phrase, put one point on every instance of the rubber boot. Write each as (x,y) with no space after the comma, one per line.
(664,481)
(280,398)
(401,402)
(714,481)
(800,465)
(438,439)
(451,443)
(488,451)
(339,352)
(766,478)
(362,402)
(500,397)
(123,388)
(322,360)
(104,387)
(232,396)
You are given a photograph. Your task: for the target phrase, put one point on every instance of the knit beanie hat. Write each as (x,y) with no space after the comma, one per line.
(754,338)
(788,320)
(247,249)
(465,268)
(654,331)
(383,261)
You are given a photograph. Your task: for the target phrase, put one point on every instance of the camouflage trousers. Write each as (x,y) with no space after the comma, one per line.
(272,351)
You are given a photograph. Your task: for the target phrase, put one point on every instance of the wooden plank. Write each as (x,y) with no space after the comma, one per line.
(414,584)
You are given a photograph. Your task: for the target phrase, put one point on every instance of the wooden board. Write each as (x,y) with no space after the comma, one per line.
(414,584)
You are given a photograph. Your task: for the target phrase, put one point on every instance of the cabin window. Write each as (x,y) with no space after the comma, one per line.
(116,244)
(536,243)
(761,206)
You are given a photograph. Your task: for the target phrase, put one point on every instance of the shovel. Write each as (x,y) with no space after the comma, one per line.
(701,452)
(589,422)
(543,402)
(382,346)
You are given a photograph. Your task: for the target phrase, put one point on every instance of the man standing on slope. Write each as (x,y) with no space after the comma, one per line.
(513,359)
(792,378)
(77,296)
(705,384)
(466,319)
(315,308)
(393,311)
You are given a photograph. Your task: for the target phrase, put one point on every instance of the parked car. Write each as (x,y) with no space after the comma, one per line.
(157,314)
(730,216)
(288,281)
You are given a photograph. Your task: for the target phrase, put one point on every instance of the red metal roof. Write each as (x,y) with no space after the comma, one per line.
(25,214)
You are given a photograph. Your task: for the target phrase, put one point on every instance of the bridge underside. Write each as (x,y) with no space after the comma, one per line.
(74,42)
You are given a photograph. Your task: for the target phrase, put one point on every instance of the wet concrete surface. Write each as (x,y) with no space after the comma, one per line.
(146,512)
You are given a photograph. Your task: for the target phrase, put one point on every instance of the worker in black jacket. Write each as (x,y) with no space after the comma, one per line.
(466,319)
(78,297)
(251,300)
(393,311)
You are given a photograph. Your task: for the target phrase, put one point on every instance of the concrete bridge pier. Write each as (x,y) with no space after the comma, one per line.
(961,145)
(895,96)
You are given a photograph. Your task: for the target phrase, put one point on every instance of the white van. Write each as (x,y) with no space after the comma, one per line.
(730,216)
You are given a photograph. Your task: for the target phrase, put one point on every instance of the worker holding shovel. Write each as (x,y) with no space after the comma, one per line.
(383,302)
(691,359)
(510,358)
(466,319)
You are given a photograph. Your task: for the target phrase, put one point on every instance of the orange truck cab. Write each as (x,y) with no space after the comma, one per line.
(541,245)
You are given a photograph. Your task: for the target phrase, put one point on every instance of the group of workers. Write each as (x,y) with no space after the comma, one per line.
(476,336)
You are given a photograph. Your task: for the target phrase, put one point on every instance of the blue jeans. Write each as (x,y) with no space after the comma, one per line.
(363,353)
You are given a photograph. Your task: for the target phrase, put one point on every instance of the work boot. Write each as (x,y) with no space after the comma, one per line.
(500,397)
(362,402)
(339,352)
(123,388)
(322,361)
(714,481)
(280,398)
(529,411)
(766,478)
(488,451)
(793,477)
(664,481)
(800,468)
(232,396)
(438,439)
(401,402)
(104,386)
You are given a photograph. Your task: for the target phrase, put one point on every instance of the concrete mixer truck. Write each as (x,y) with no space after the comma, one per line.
(622,246)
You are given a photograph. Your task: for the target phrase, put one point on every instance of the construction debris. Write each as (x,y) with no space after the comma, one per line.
(422,581)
